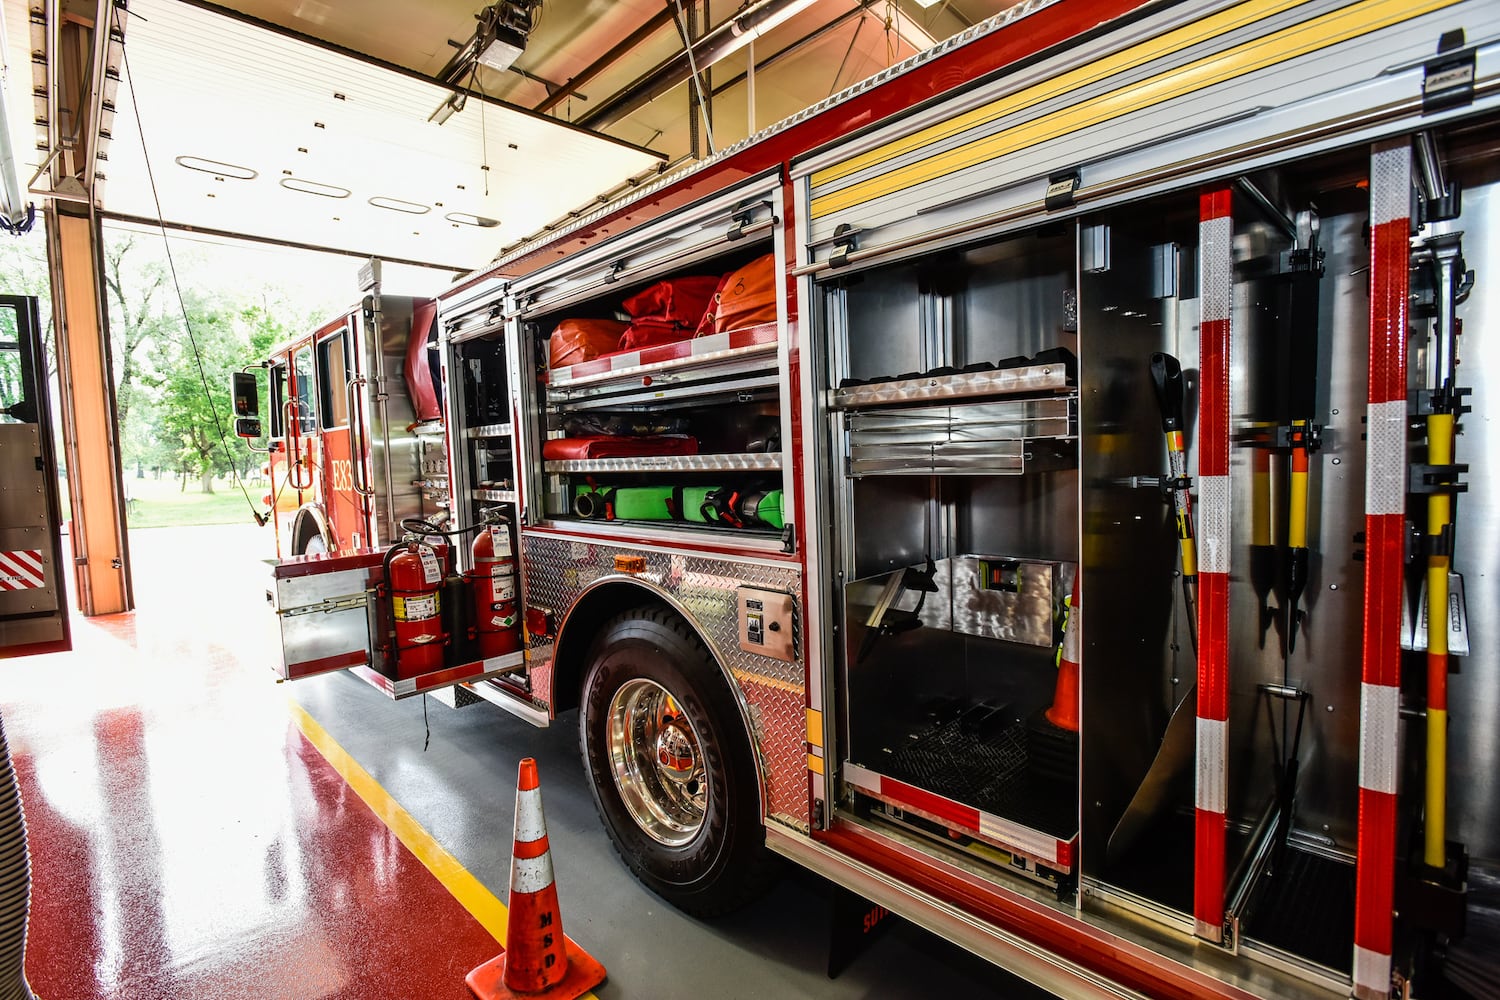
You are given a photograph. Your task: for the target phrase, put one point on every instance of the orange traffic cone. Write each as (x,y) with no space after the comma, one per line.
(538,960)
(1064,711)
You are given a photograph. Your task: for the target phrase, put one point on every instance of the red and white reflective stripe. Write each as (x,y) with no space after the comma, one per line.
(1215,238)
(961,817)
(22,569)
(702,348)
(531,859)
(1385,505)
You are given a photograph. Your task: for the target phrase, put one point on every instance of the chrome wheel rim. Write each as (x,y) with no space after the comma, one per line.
(657,762)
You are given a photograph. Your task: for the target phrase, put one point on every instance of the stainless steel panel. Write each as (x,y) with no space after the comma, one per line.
(1474,692)
(24,528)
(964,438)
(1007,381)
(891,524)
(1021,610)
(1017,301)
(558,570)
(1129,550)
(1326,661)
(396,452)
(884,323)
(321,616)
(289,594)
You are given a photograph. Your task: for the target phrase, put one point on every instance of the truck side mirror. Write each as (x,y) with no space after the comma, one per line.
(246,398)
(247,427)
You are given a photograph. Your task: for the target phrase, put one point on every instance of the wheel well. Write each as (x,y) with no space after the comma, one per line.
(307,524)
(570,657)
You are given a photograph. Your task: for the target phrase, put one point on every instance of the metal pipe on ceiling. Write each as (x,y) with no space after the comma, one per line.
(717,44)
(860,9)
(657,21)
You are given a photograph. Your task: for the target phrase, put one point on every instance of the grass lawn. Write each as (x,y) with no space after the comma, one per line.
(160,503)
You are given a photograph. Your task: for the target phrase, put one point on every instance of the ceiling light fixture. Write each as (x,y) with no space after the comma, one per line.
(469,219)
(215,167)
(397,205)
(314,187)
(925,4)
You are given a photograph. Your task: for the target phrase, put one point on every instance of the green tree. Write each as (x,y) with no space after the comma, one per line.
(228,336)
(193,403)
(23,271)
(139,312)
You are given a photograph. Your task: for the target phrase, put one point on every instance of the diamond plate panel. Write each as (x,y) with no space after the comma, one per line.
(559,570)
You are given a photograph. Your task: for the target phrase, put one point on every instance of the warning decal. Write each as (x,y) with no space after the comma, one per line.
(22,570)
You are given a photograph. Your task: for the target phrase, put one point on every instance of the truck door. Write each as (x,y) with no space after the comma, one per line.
(33,617)
(343,473)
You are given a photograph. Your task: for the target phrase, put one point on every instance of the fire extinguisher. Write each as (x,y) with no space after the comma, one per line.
(493,583)
(413,579)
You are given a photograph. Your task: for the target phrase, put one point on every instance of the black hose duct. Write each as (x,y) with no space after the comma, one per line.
(15,882)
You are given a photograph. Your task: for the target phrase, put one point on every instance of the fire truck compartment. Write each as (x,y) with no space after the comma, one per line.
(333,614)
(717,397)
(941,694)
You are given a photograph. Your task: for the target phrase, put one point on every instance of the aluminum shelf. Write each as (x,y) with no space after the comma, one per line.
(490,431)
(1052,377)
(494,496)
(750,462)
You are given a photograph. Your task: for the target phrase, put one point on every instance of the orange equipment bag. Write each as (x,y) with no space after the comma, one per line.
(577,340)
(746,297)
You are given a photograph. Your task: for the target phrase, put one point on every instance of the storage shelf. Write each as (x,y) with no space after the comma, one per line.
(494,496)
(701,372)
(972,438)
(1051,377)
(750,462)
(490,431)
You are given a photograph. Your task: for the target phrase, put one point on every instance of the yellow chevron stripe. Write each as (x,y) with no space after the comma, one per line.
(1137,55)
(1290,43)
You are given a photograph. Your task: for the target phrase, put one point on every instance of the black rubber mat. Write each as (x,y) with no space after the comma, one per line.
(1473,965)
(1306,907)
(980,759)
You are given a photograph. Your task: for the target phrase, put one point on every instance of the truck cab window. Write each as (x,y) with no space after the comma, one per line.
(305,406)
(278,400)
(333,380)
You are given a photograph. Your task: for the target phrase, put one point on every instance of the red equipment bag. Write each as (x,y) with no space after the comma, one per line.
(667,311)
(681,300)
(577,340)
(747,297)
(422,379)
(649,330)
(618,446)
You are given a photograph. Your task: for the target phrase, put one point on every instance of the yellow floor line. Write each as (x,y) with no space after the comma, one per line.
(468,890)
(471,894)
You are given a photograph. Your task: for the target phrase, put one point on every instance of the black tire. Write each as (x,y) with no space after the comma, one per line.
(689,829)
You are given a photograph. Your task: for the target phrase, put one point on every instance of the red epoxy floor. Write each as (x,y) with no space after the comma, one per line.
(188,842)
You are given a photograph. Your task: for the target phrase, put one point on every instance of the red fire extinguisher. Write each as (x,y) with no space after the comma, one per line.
(413,577)
(493,582)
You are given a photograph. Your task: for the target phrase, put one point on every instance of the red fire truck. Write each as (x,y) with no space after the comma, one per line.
(355,431)
(794,470)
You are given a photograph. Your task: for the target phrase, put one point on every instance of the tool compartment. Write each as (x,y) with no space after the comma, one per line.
(953,422)
(660,378)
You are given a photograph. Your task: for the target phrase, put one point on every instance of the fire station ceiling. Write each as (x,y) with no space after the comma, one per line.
(385,127)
